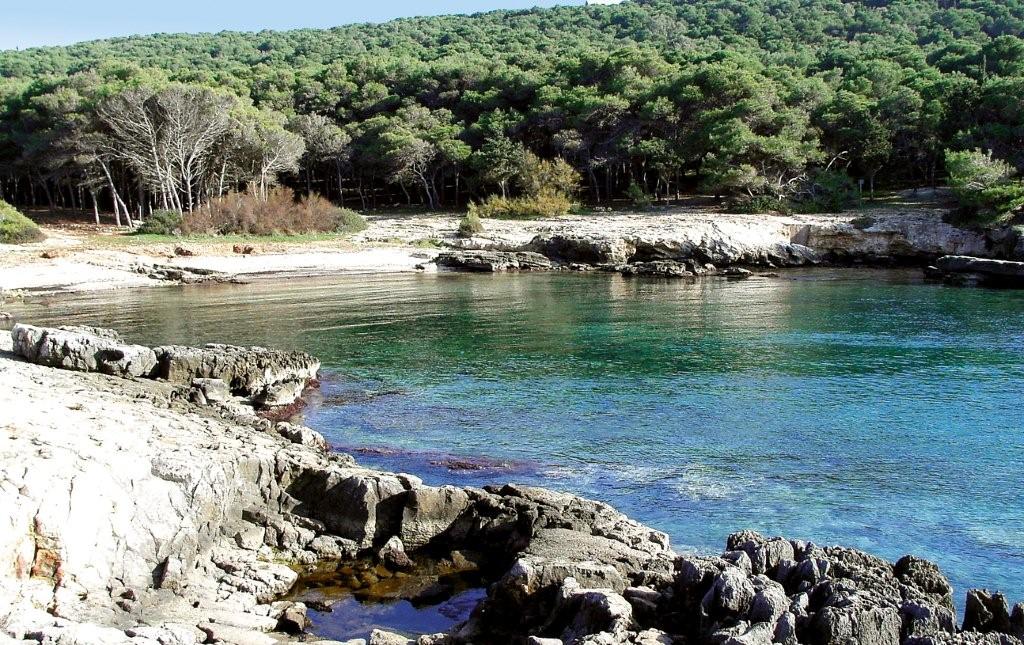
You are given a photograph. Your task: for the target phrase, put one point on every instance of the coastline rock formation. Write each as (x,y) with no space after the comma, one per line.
(131,514)
(627,243)
(964,270)
(493,261)
(259,376)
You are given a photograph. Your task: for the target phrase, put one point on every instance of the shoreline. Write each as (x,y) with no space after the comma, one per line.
(186,526)
(669,243)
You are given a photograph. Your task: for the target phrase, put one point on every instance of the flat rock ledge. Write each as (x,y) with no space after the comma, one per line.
(671,246)
(131,514)
(222,373)
(964,270)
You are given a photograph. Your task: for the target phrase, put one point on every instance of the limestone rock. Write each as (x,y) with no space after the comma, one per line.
(83,350)
(658,269)
(214,390)
(987,612)
(264,376)
(493,261)
(393,554)
(381,637)
(583,249)
(959,269)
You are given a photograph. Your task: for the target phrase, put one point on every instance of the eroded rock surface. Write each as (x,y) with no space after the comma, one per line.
(264,376)
(215,373)
(965,270)
(876,236)
(493,261)
(129,514)
(85,349)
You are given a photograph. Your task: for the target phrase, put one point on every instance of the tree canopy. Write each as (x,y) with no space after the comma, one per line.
(751,97)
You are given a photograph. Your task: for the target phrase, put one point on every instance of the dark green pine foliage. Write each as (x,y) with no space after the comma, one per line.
(752,98)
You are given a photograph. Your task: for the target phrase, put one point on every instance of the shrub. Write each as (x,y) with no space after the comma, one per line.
(348,221)
(15,228)
(827,192)
(640,197)
(985,187)
(763,204)
(162,222)
(279,212)
(539,177)
(539,207)
(471,225)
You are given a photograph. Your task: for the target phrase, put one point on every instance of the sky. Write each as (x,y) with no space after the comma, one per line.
(31,23)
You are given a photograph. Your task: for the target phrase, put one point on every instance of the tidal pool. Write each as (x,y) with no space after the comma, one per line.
(859,407)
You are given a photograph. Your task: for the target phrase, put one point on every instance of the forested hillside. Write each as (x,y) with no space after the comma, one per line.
(760,98)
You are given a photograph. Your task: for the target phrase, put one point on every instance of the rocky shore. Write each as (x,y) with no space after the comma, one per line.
(673,242)
(147,497)
(689,246)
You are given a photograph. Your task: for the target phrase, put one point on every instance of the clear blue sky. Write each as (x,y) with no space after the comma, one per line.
(29,23)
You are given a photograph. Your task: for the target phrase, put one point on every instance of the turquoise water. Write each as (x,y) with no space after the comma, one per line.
(857,407)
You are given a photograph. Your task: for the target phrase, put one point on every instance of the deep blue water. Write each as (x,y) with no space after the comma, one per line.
(865,408)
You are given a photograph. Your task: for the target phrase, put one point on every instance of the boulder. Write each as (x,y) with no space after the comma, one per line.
(214,390)
(83,349)
(263,376)
(493,261)
(302,435)
(381,637)
(961,269)
(658,269)
(393,555)
(987,612)
(430,512)
(580,612)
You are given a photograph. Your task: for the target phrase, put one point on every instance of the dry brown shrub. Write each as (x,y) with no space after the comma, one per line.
(249,214)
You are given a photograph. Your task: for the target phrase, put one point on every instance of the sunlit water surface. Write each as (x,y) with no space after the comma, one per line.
(857,407)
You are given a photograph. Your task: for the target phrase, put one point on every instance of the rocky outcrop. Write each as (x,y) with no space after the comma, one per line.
(215,373)
(875,237)
(84,349)
(180,530)
(759,591)
(583,249)
(965,270)
(130,514)
(264,376)
(493,261)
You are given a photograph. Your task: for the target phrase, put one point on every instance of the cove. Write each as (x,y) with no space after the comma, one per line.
(858,407)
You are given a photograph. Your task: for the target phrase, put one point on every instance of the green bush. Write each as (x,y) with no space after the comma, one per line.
(763,204)
(15,228)
(535,207)
(349,221)
(538,177)
(471,225)
(828,192)
(162,222)
(987,188)
(640,197)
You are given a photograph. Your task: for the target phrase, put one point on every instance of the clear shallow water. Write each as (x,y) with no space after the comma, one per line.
(856,407)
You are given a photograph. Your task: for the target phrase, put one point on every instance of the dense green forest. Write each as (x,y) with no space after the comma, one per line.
(775,99)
